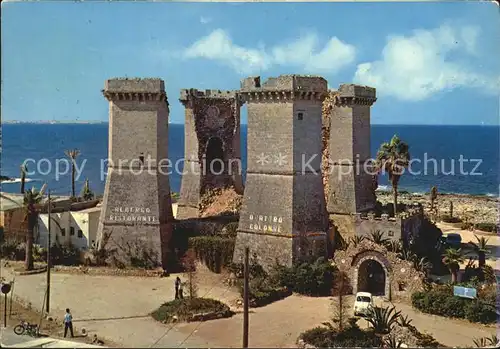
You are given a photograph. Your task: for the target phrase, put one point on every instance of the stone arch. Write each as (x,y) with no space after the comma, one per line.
(375,260)
(214,156)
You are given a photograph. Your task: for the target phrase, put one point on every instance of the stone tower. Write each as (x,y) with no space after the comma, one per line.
(351,184)
(137,208)
(211,147)
(283,215)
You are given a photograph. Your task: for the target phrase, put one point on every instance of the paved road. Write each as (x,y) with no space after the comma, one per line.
(117,308)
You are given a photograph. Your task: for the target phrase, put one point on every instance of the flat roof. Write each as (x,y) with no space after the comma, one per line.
(10,201)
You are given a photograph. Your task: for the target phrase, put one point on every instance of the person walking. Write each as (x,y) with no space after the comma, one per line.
(177,285)
(68,323)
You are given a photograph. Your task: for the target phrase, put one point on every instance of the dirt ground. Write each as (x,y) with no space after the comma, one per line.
(48,328)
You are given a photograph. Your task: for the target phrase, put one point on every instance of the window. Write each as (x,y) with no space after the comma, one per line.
(391,233)
(300,116)
(80,233)
(141,158)
(72,231)
(63,231)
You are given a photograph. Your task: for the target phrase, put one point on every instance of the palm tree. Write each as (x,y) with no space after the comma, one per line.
(72,154)
(31,202)
(24,170)
(393,158)
(481,248)
(452,258)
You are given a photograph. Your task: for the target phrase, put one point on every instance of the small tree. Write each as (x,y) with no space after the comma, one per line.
(24,170)
(452,259)
(481,248)
(340,316)
(433,197)
(393,157)
(72,155)
(189,264)
(87,193)
(451,208)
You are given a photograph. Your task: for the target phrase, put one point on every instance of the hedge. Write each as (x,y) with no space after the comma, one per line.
(489,227)
(442,302)
(191,309)
(351,337)
(215,252)
(450,219)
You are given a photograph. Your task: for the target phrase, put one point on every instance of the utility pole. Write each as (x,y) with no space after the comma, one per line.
(245,299)
(47,304)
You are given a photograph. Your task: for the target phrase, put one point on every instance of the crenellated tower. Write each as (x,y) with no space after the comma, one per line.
(211,146)
(137,208)
(283,216)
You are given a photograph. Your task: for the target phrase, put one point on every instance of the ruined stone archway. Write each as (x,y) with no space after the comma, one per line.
(372,273)
(214,156)
(371,277)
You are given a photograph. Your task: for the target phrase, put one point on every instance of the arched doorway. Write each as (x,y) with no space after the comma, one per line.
(371,277)
(214,156)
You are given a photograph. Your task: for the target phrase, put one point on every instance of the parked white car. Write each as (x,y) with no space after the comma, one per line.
(363,303)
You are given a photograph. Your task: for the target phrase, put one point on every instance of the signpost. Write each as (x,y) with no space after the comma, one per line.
(465,292)
(5,288)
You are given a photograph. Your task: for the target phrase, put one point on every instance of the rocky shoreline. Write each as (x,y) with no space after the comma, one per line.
(476,208)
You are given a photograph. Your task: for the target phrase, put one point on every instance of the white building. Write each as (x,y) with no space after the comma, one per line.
(78,228)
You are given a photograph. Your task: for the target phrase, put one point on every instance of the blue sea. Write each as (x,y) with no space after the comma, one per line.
(442,147)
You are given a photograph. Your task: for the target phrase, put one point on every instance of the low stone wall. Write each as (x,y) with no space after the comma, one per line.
(106,271)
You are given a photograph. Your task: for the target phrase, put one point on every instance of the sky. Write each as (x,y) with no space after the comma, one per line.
(431,63)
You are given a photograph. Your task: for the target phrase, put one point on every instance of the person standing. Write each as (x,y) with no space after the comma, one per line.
(177,285)
(181,290)
(68,323)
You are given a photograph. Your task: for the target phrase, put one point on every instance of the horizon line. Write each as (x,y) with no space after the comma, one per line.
(90,122)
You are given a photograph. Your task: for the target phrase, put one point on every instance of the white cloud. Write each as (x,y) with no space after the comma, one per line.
(415,67)
(304,52)
(205,20)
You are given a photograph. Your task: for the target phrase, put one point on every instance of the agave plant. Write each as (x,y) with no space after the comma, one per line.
(378,237)
(394,246)
(403,321)
(422,264)
(87,193)
(407,255)
(486,341)
(383,319)
(392,342)
(356,240)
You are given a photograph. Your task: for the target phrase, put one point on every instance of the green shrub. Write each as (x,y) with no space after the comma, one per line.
(214,251)
(65,255)
(441,301)
(450,219)
(312,279)
(262,291)
(489,227)
(478,311)
(13,249)
(350,337)
(185,309)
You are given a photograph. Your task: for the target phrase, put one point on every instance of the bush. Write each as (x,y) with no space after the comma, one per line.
(311,279)
(190,309)
(489,227)
(450,219)
(65,255)
(441,301)
(352,336)
(214,251)
(13,249)
(262,291)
